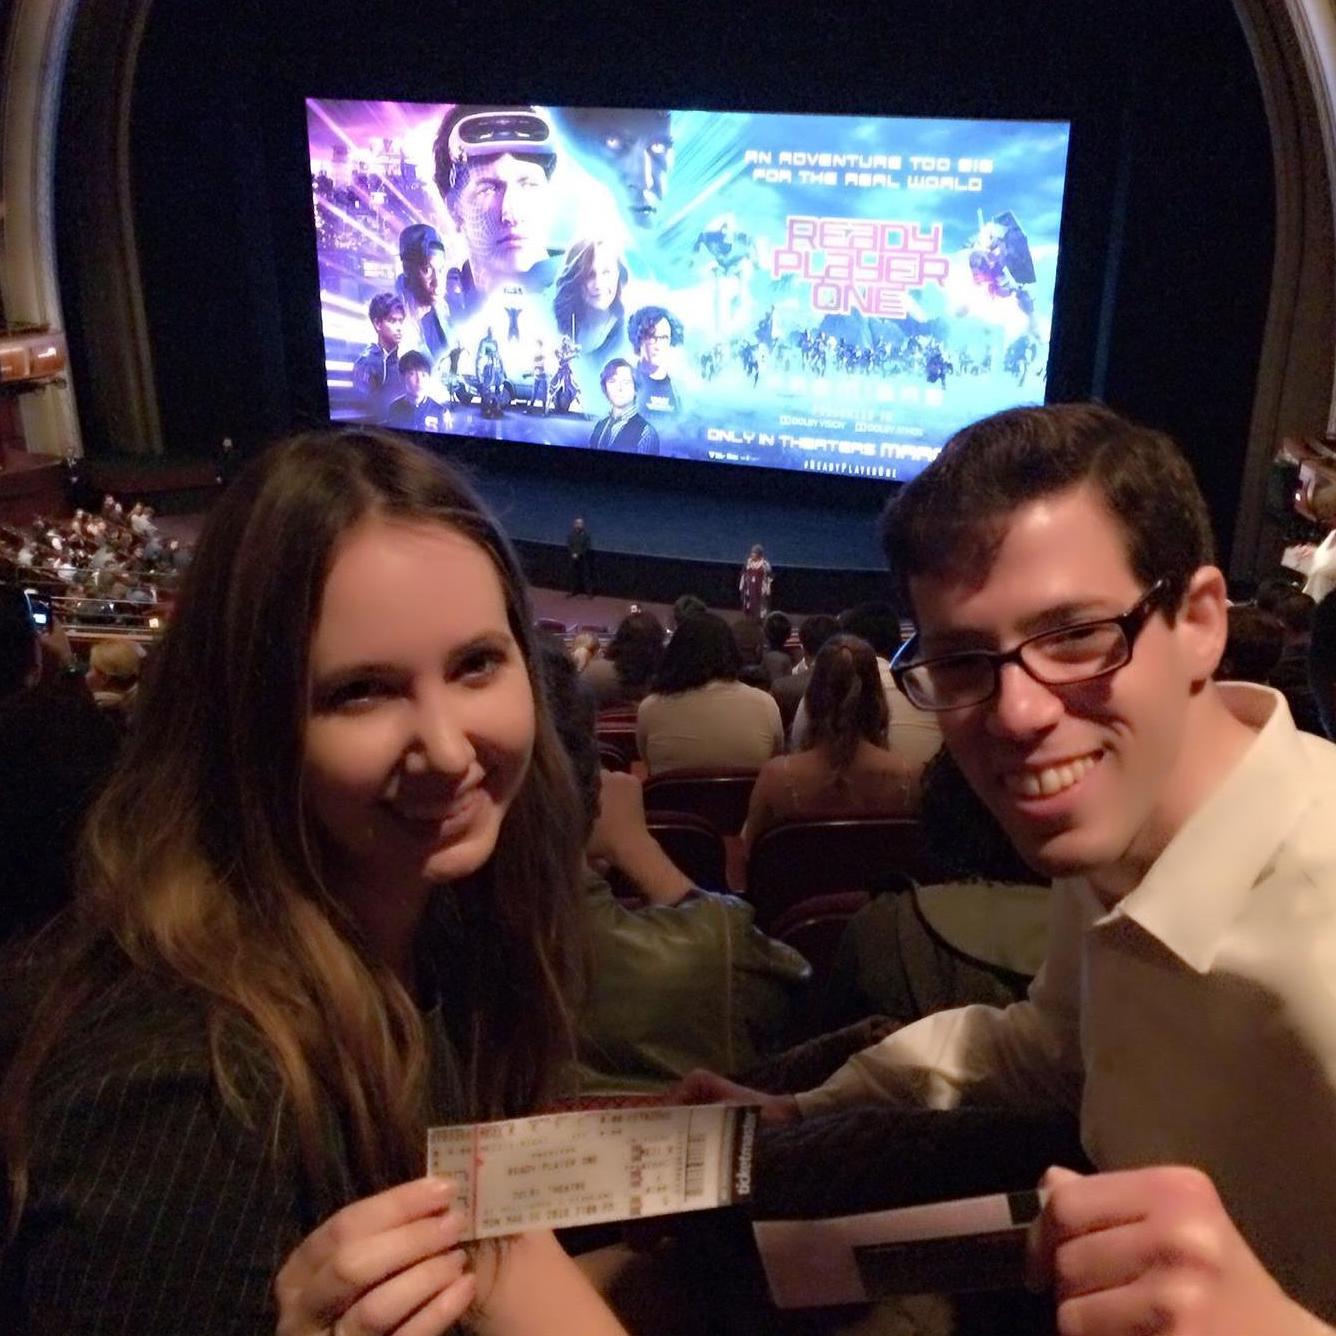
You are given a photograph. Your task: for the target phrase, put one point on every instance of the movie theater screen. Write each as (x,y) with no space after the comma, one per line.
(823,293)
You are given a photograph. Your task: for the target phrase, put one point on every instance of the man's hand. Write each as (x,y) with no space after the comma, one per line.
(1151,1251)
(702,1087)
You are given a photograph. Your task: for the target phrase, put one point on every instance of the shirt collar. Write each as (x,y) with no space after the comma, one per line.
(1201,882)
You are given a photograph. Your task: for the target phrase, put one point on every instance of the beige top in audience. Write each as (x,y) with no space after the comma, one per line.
(719,724)
(806,787)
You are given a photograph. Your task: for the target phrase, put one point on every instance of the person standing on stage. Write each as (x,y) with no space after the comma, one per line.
(580,546)
(754,584)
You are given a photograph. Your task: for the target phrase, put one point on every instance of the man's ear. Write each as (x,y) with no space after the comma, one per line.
(1202,625)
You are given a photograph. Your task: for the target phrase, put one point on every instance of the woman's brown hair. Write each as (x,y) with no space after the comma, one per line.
(846,703)
(197,866)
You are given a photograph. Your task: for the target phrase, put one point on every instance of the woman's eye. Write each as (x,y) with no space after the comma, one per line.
(350,695)
(481,665)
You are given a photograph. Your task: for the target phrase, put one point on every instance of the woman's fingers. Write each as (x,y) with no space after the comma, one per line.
(359,1265)
(424,1300)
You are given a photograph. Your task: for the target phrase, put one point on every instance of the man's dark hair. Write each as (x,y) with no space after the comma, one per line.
(450,183)
(877,623)
(636,648)
(383,306)
(815,631)
(1275,588)
(1253,646)
(413,360)
(1296,611)
(702,650)
(750,640)
(18,636)
(688,605)
(777,629)
(641,322)
(615,364)
(1322,662)
(950,521)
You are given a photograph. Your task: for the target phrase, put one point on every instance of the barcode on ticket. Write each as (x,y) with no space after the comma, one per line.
(595,1166)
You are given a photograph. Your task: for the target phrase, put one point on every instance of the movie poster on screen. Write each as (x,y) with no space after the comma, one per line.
(821,293)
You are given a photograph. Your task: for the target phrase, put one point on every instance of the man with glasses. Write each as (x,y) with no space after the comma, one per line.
(1058,562)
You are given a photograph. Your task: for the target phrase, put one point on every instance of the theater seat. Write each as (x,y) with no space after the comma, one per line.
(813,927)
(617,729)
(720,796)
(694,845)
(794,861)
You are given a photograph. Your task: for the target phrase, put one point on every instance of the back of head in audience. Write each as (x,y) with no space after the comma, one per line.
(637,649)
(815,631)
(114,665)
(689,605)
(1272,591)
(19,658)
(750,640)
(777,629)
(846,704)
(702,650)
(1295,610)
(877,623)
(1254,645)
(1322,662)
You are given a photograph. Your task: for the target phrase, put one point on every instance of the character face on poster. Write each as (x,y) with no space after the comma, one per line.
(830,294)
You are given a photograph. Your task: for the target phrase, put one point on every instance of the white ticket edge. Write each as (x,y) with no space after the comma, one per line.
(595,1166)
(814,1263)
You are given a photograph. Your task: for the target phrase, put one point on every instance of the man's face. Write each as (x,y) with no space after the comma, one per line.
(503,213)
(390,331)
(415,383)
(636,146)
(620,387)
(654,346)
(427,278)
(1088,779)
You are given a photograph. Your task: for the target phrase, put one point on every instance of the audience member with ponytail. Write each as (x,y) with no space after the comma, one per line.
(847,767)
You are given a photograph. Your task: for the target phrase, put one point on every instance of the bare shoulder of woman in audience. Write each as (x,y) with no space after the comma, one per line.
(349,918)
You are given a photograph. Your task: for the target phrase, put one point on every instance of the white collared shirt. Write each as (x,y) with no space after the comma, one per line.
(1195,1023)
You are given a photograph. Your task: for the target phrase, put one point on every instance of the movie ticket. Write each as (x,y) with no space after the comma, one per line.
(592,1167)
(977,1243)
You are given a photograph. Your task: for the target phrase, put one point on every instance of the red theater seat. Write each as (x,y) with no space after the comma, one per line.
(720,796)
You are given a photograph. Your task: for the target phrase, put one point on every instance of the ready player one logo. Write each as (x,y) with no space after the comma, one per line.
(858,264)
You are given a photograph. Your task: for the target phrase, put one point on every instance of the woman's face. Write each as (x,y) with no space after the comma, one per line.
(600,285)
(421,717)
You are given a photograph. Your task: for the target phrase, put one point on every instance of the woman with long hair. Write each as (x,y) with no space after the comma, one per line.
(325,902)
(622,674)
(846,766)
(699,715)
(589,304)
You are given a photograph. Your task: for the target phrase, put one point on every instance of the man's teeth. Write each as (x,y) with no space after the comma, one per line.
(1052,779)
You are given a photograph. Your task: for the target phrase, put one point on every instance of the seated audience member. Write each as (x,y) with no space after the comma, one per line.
(847,767)
(686,980)
(1183,1008)
(978,938)
(775,660)
(348,915)
(1253,645)
(788,691)
(113,671)
(915,734)
(624,671)
(699,715)
(56,750)
(584,647)
(1290,677)
(1322,663)
(688,605)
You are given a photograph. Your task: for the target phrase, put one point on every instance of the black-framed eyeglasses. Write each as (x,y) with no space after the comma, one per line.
(1059,658)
